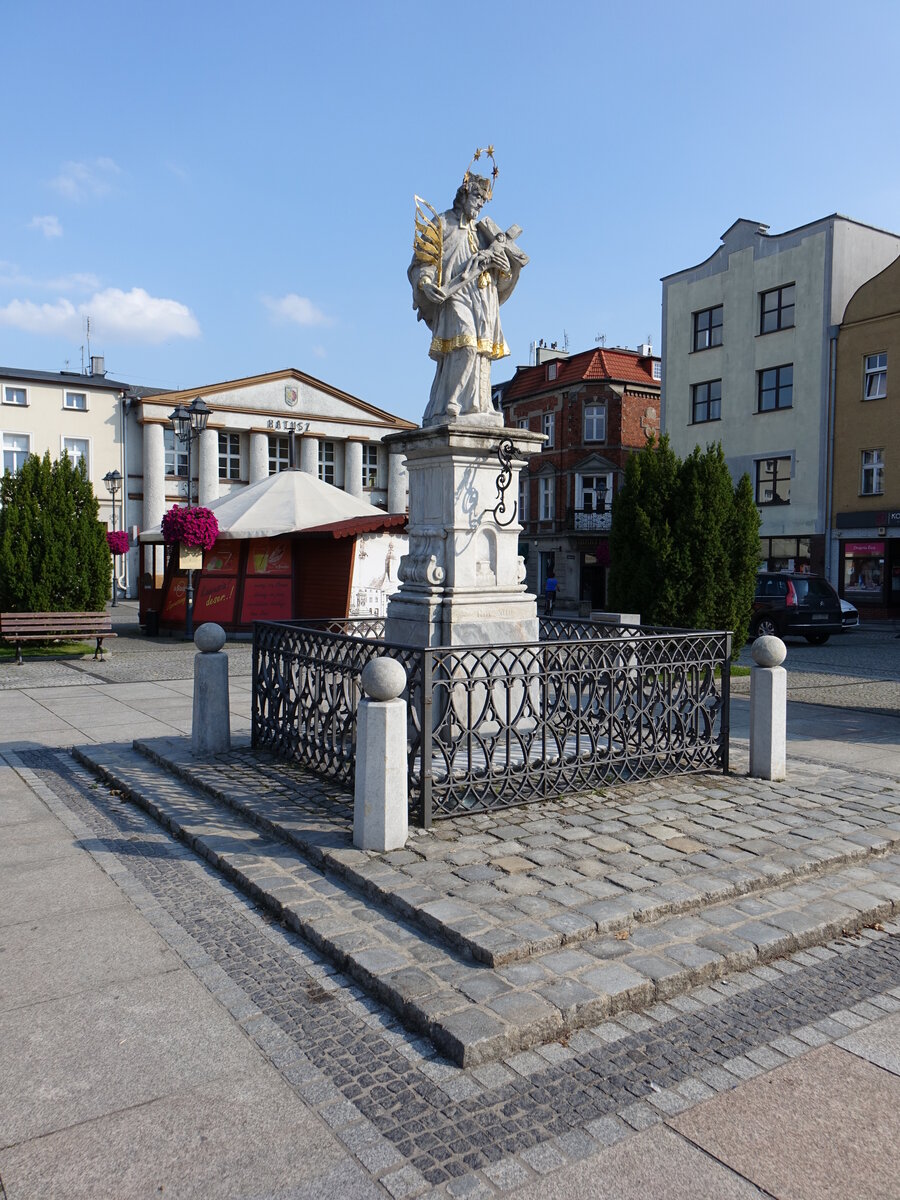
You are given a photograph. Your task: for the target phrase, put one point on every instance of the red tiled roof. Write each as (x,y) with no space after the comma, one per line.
(617,366)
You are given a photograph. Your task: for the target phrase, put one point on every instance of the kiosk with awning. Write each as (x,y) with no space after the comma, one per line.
(288,547)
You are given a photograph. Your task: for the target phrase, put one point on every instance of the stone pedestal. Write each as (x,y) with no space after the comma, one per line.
(462,580)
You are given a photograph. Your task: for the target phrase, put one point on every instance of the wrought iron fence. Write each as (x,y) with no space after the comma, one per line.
(496,726)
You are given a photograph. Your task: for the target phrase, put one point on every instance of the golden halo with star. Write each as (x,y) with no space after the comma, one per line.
(495,170)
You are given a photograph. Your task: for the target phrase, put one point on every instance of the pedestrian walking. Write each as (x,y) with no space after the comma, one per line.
(550,594)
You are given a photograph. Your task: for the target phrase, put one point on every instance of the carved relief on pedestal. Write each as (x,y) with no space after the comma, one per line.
(423,563)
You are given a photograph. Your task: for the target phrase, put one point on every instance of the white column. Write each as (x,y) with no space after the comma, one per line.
(208,467)
(309,455)
(398,482)
(154,475)
(768,709)
(353,468)
(380,793)
(259,456)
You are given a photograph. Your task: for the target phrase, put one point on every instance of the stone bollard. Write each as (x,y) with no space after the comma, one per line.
(380,795)
(211,724)
(768,709)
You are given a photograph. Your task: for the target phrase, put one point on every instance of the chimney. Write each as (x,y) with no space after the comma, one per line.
(98,366)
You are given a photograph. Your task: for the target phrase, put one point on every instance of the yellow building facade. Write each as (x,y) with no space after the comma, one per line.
(865,525)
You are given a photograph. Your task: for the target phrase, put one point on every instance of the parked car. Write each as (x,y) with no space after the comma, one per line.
(849,614)
(793,603)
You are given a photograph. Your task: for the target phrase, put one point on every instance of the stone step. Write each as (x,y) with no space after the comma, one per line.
(316,817)
(472,1011)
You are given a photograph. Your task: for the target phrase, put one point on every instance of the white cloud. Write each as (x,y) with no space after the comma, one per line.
(295,308)
(48,226)
(59,318)
(86,180)
(78,281)
(116,316)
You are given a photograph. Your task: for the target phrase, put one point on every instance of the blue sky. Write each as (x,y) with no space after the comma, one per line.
(227,189)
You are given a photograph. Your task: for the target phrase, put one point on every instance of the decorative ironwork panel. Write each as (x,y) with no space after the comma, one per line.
(495,726)
(306,689)
(518,723)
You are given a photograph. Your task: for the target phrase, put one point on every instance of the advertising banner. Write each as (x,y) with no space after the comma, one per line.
(269,556)
(266,599)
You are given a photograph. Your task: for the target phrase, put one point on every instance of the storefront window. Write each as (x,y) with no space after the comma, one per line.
(863,571)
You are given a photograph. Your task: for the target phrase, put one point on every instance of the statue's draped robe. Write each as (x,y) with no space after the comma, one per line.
(465,328)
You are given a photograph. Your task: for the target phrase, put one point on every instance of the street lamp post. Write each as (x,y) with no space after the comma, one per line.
(113,481)
(189,423)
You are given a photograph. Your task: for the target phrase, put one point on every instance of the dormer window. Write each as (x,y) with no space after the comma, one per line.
(552,371)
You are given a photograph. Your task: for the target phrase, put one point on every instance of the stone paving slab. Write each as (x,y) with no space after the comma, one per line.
(502,887)
(421,1123)
(475,1013)
(770,1130)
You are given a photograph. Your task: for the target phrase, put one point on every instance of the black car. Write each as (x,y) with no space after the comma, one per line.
(789,603)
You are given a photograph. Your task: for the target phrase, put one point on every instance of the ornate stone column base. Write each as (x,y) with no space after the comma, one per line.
(462,581)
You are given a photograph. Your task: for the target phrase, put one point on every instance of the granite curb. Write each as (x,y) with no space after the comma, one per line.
(474,1013)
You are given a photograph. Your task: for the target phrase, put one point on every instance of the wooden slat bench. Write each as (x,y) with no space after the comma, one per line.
(52,626)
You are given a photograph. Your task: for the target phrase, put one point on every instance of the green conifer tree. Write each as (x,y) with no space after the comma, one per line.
(53,552)
(647,564)
(684,542)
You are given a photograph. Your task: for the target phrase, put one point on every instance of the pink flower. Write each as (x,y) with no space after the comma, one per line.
(117,541)
(190,526)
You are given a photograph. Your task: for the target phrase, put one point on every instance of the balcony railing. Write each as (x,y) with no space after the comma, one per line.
(588,519)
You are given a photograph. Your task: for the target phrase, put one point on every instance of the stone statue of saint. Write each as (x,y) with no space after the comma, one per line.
(463,269)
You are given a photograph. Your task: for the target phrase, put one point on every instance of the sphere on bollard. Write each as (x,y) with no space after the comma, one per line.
(383,679)
(209,637)
(768,651)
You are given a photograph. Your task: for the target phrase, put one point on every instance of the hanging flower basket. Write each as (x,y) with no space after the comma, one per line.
(191,527)
(117,541)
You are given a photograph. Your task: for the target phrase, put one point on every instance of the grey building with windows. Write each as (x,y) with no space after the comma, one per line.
(749,343)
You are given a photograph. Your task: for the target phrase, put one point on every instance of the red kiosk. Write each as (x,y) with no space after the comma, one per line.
(288,547)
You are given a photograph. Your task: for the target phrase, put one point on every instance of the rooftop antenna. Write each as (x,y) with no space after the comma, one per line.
(87,327)
(565,342)
(600,339)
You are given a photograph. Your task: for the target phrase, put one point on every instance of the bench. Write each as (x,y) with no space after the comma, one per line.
(47,626)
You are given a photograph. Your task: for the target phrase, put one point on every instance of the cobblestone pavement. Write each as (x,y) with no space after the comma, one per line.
(417,1124)
(504,886)
(544,978)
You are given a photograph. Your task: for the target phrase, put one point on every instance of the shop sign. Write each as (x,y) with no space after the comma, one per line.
(190,558)
(863,549)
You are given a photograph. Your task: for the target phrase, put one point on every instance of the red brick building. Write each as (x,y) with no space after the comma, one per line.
(595,408)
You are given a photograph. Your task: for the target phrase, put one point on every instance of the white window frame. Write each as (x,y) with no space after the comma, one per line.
(279,453)
(523,423)
(593,490)
(74,407)
(593,413)
(86,454)
(369,466)
(4,450)
(175,455)
(546,497)
(326,462)
(548,428)
(875,381)
(14,387)
(657,369)
(229,457)
(524,492)
(871,472)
